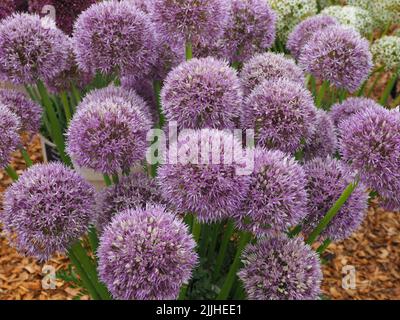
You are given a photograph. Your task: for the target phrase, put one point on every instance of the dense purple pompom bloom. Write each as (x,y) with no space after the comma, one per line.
(48,209)
(323,141)
(9,133)
(195,21)
(250,30)
(370,142)
(202,93)
(30,49)
(269,66)
(327,179)
(305,30)
(28,111)
(277,197)
(109,135)
(210,189)
(146,254)
(7,7)
(339,55)
(282,113)
(281,269)
(114,36)
(350,106)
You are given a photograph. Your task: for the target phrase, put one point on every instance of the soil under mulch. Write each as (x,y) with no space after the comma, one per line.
(374,252)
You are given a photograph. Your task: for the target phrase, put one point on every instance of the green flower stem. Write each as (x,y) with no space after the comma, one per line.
(65,103)
(196,229)
(11,173)
(332,212)
(157,94)
(26,157)
(230,278)
(182,294)
(188,51)
(321,93)
(296,230)
(323,246)
(32,93)
(389,87)
(115,178)
(313,85)
(188,219)
(236,65)
(213,242)
(107,180)
(93,239)
(76,94)
(205,237)
(379,74)
(223,248)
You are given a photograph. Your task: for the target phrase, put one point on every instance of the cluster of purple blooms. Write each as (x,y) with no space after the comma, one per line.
(146,251)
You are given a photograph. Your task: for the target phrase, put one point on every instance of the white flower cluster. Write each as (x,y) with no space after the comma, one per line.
(386,52)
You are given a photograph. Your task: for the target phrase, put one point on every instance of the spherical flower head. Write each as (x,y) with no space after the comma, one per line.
(133,191)
(269,66)
(202,93)
(327,178)
(386,52)
(113,37)
(350,106)
(146,254)
(354,17)
(109,135)
(30,49)
(282,113)
(369,142)
(28,111)
(195,21)
(9,133)
(7,7)
(281,269)
(251,29)
(277,197)
(304,31)
(209,184)
(291,13)
(339,55)
(323,141)
(48,209)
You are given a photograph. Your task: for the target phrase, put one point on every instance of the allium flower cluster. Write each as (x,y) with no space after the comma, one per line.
(281,269)
(146,254)
(30,49)
(9,133)
(7,7)
(327,179)
(114,36)
(47,209)
(369,142)
(277,197)
(282,113)
(202,93)
(109,135)
(269,66)
(386,52)
(339,55)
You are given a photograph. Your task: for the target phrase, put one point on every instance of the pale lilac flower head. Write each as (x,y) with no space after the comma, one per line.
(9,133)
(281,269)
(326,180)
(109,135)
(370,143)
(30,49)
(202,93)
(7,7)
(277,197)
(48,209)
(269,66)
(304,31)
(282,113)
(146,254)
(339,55)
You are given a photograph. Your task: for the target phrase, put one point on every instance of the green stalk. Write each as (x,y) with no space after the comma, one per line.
(323,246)
(26,157)
(230,278)
(196,229)
(213,242)
(313,85)
(224,247)
(11,173)
(236,65)
(76,94)
(188,51)
(157,91)
(115,178)
(182,294)
(389,87)
(205,236)
(188,219)
(107,180)
(65,103)
(378,77)
(93,239)
(295,231)
(321,93)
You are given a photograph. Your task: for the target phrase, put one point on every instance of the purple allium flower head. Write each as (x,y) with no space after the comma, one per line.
(195,21)
(109,135)
(269,66)
(350,106)
(48,209)
(29,112)
(114,36)
(66,10)
(338,54)
(327,179)
(133,191)
(250,30)
(9,133)
(209,184)
(202,93)
(304,31)
(30,49)
(370,142)
(281,269)
(7,7)
(323,141)
(282,113)
(146,254)
(277,197)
